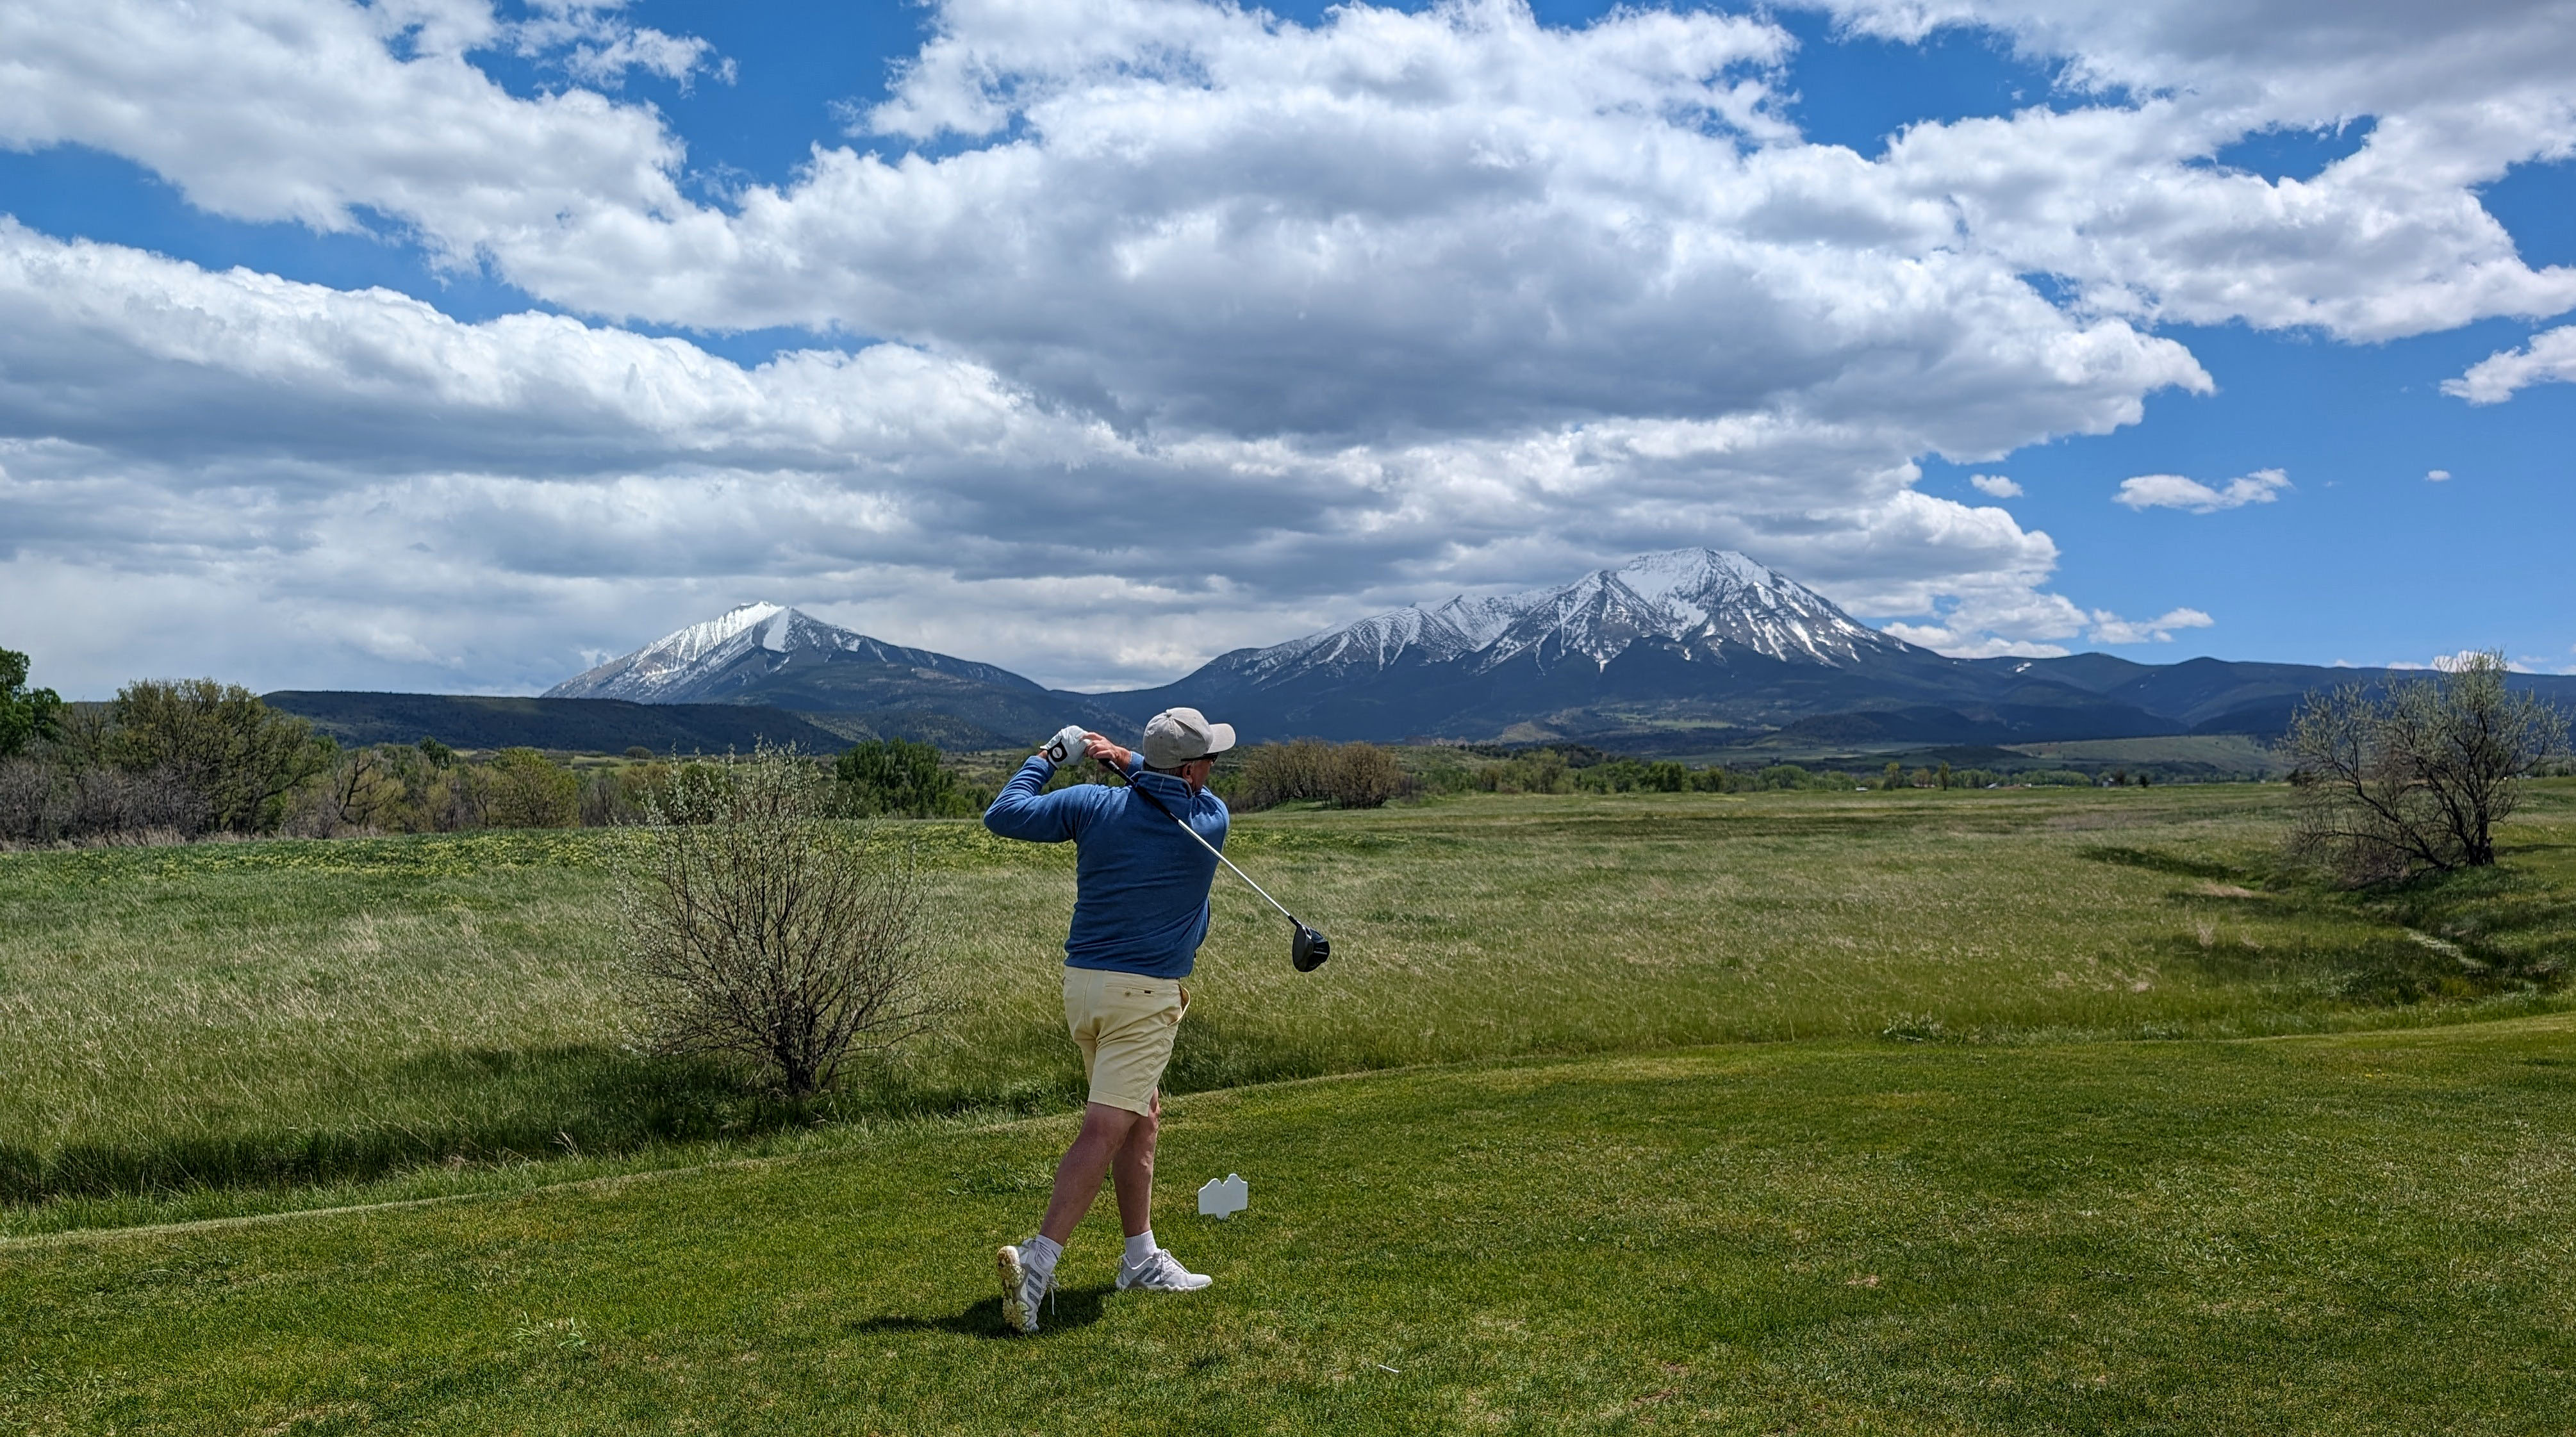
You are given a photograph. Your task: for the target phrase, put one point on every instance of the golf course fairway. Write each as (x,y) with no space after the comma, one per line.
(2354,1233)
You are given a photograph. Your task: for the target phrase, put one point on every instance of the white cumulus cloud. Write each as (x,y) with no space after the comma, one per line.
(1995,484)
(1390,304)
(2110,628)
(2549,358)
(2173,491)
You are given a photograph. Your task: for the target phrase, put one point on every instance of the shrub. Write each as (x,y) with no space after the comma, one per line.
(897,777)
(1362,775)
(1627,775)
(366,790)
(1537,771)
(25,714)
(239,758)
(755,928)
(2414,780)
(1350,775)
(529,790)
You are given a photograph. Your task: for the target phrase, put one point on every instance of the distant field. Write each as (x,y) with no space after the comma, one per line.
(2355,1234)
(2222,753)
(239,1027)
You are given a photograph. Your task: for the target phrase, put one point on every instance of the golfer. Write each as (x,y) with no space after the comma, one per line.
(1140,910)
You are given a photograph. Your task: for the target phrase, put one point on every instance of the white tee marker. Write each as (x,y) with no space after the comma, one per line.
(1224,1197)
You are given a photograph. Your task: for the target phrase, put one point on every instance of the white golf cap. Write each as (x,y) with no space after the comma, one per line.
(1175,736)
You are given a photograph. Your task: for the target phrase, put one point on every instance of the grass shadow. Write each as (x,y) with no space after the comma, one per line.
(2391,972)
(489,1105)
(1071,1308)
(2159,862)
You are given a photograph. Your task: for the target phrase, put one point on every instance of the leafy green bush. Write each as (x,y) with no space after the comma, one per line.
(1538,771)
(529,790)
(219,742)
(25,713)
(888,777)
(1628,775)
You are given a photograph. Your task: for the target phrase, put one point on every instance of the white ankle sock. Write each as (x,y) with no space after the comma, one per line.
(1140,1247)
(1040,1253)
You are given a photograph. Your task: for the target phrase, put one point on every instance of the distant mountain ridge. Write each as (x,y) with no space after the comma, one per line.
(1686,650)
(769,654)
(752,648)
(1707,602)
(1695,640)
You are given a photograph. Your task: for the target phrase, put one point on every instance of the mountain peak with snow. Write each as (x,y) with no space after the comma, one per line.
(1708,604)
(753,648)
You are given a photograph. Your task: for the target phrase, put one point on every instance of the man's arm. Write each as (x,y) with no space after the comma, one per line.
(1021,811)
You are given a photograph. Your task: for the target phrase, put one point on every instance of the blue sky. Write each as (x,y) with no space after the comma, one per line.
(1388,304)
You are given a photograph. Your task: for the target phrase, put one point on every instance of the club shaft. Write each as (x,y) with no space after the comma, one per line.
(1239,873)
(1210,847)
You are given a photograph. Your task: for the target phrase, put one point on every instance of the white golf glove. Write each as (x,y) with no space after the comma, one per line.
(1066,746)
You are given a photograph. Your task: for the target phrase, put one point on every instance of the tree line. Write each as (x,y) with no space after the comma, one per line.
(185,759)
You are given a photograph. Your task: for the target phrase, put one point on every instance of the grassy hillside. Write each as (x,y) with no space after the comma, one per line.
(239,1027)
(2351,1234)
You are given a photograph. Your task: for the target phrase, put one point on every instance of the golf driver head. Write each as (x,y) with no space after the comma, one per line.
(1308,949)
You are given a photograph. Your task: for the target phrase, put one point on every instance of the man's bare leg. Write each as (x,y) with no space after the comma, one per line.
(1105,1134)
(1133,1170)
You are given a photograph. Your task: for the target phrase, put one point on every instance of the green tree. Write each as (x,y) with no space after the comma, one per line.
(1785,775)
(892,776)
(25,713)
(529,790)
(241,758)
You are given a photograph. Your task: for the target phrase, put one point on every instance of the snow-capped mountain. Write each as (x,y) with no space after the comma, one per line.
(853,684)
(1692,640)
(750,647)
(1711,605)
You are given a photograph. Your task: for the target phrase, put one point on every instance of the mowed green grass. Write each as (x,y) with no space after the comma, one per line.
(2357,1233)
(236,1028)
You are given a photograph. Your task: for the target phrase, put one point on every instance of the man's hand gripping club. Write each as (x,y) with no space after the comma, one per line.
(1073,741)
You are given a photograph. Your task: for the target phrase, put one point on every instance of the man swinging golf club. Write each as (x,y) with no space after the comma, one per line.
(1139,914)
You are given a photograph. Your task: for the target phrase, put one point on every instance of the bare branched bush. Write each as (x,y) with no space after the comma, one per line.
(29,808)
(2414,780)
(755,928)
(1349,775)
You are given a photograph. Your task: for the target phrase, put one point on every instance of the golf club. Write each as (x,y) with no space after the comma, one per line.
(1309,948)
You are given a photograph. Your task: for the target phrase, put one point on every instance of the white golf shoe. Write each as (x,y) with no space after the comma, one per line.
(1022,1289)
(1160,1273)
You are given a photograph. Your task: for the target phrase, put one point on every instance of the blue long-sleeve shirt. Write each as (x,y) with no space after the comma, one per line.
(1140,884)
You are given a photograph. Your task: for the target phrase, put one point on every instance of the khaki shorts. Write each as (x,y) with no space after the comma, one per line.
(1124,1025)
